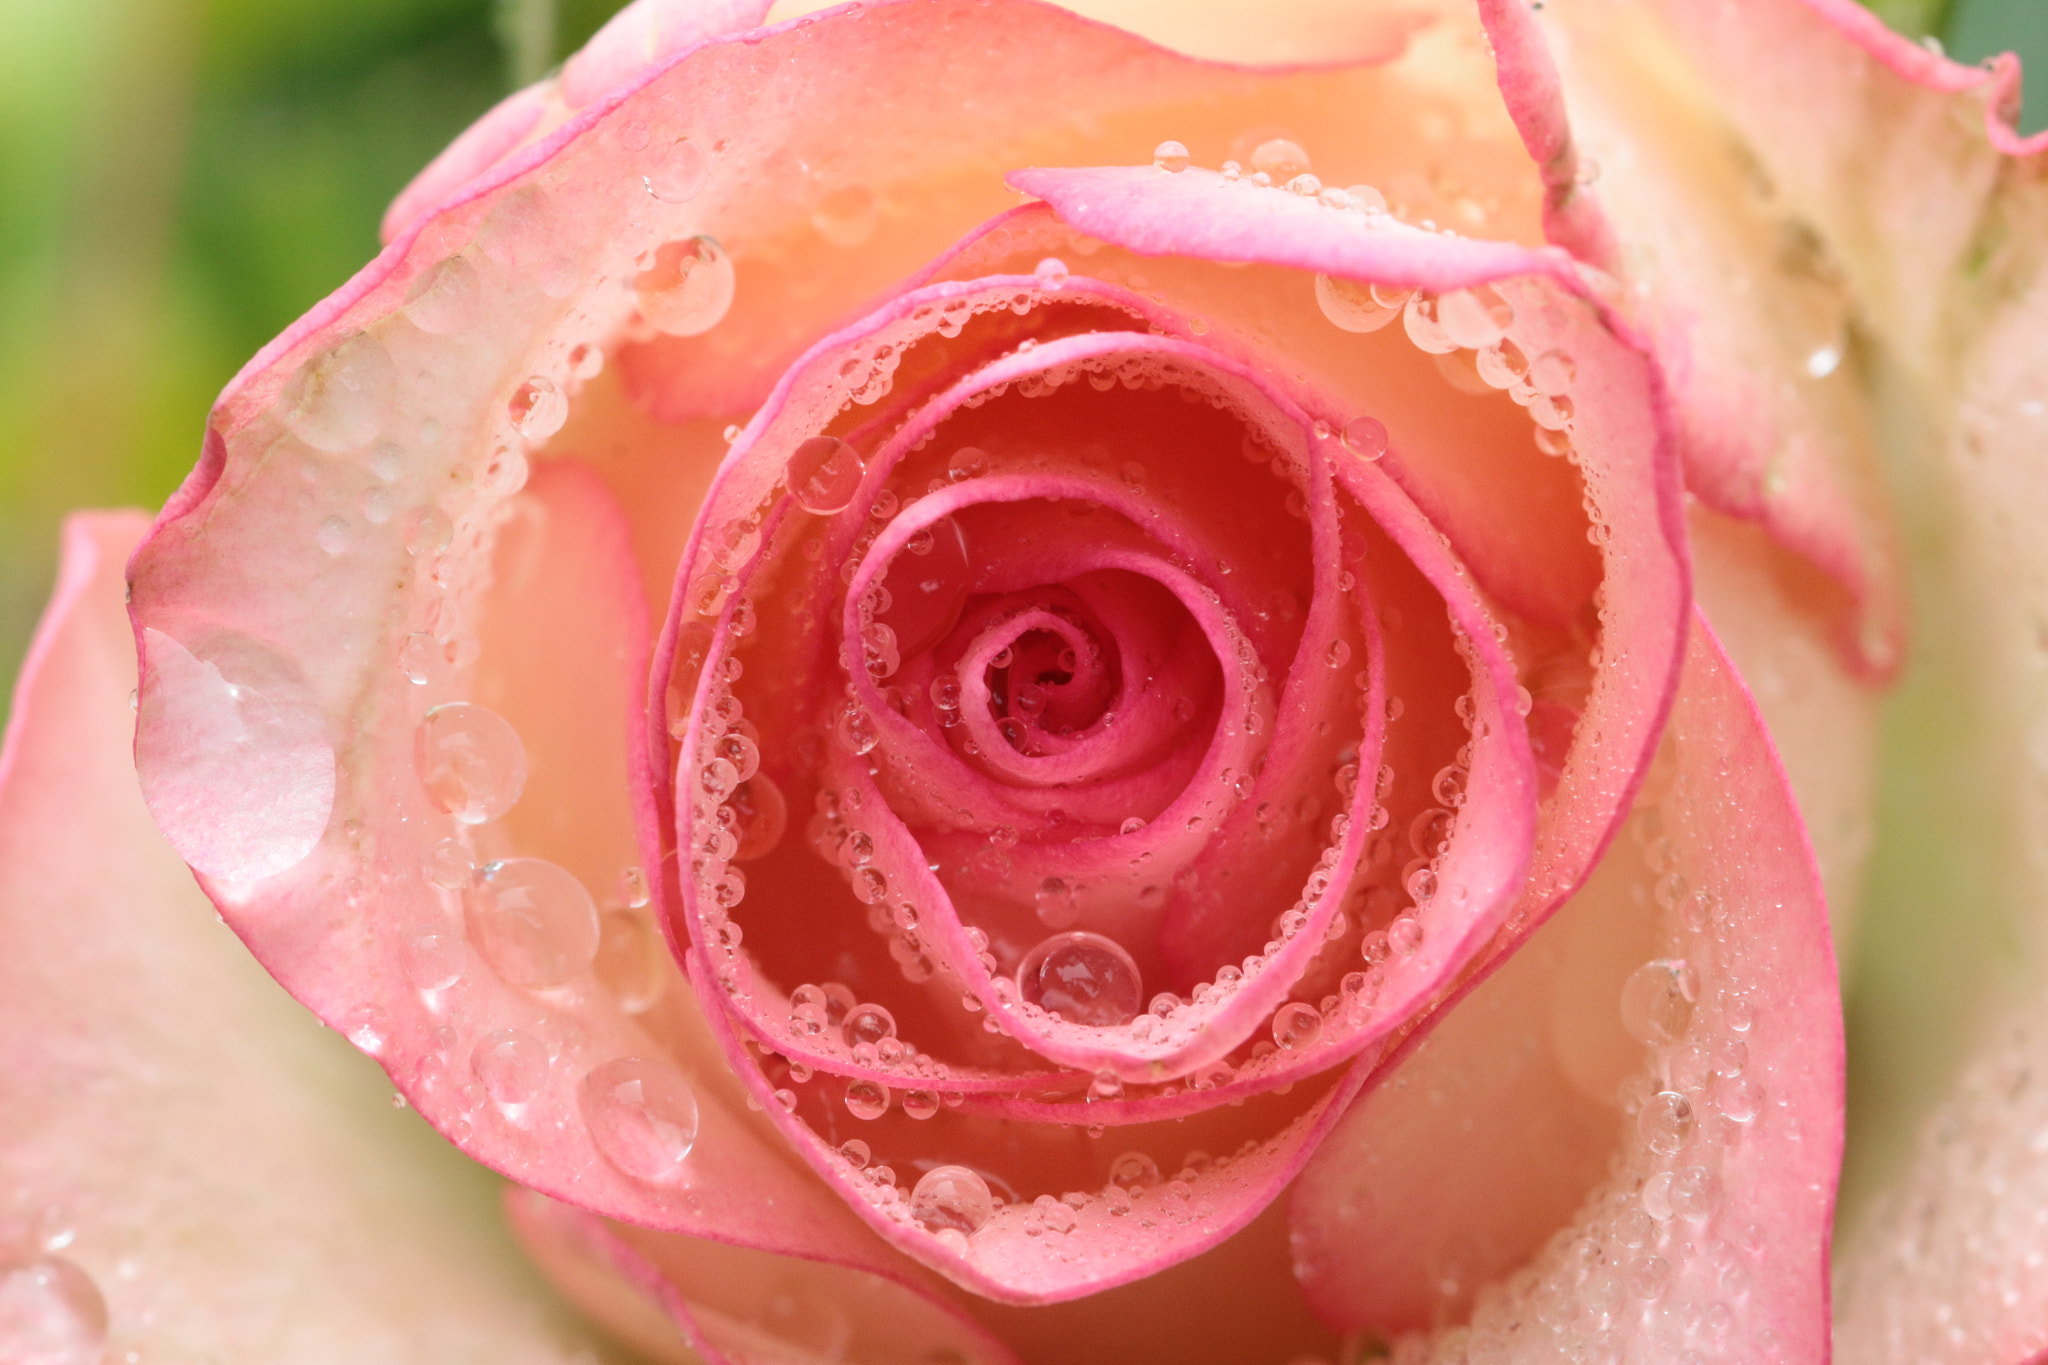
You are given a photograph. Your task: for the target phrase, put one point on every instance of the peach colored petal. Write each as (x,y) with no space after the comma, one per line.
(1696,1219)
(677,1298)
(229,1175)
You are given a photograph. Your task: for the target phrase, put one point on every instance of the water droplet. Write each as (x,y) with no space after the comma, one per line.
(1738,1097)
(867,1024)
(416,657)
(952,1197)
(1170,156)
(1418,317)
(448,865)
(532,921)
(920,1104)
(1133,1171)
(642,1116)
(846,217)
(866,1099)
(1823,362)
(1281,159)
(678,177)
(688,289)
(471,761)
(512,1064)
(1131,825)
(1338,654)
(824,473)
(333,535)
(433,960)
(1695,1193)
(1051,273)
(51,1313)
(1666,1122)
(232,750)
(1354,306)
(1366,437)
(1475,317)
(1656,1001)
(1056,903)
(427,532)
(630,955)
(1404,935)
(445,298)
(336,400)
(503,474)
(1297,1025)
(538,408)
(1552,373)
(1087,978)
(856,1153)
(855,729)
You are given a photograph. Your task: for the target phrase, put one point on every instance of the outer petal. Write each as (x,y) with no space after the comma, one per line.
(1946,1264)
(1740,289)
(229,1175)
(1709,1232)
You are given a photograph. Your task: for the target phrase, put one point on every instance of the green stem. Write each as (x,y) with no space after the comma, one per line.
(526,29)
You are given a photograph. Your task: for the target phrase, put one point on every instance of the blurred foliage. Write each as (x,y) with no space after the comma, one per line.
(180,179)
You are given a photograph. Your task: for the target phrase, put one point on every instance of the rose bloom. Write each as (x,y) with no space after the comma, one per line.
(971,687)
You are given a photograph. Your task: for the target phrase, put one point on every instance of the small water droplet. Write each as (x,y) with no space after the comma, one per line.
(678,177)
(1087,978)
(427,532)
(445,298)
(416,656)
(1666,1122)
(689,287)
(1056,903)
(1170,156)
(534,923)
(920,1104)
(433,960)
(642,1117)
(538,408)
(1051,273)
(471,761)
(448,865)
(333,536)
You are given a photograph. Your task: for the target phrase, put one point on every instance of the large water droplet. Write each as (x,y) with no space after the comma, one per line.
(642,1116)
(336,400)
(868,1024)
(1297,1025)
(51,1313)
(1656,1001)
(867,1099)
(952,1197)
(532,921)
(846,217)
(470,760)
(688,289)
(1087,978)
(1170,156)
(824,473)
(232,752)
(512,1064)
(1356,307)
(678,177)
(445,298)
(927,582)
(1475,317)
(1280,158)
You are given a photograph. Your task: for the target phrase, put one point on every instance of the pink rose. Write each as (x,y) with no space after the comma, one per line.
(1147,771)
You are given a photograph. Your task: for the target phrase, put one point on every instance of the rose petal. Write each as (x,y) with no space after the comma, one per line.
(228,1174)
(670,1296)
(1619,431)
(1725,1171)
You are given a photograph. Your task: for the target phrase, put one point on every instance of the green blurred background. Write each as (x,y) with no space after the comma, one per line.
(180,179)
